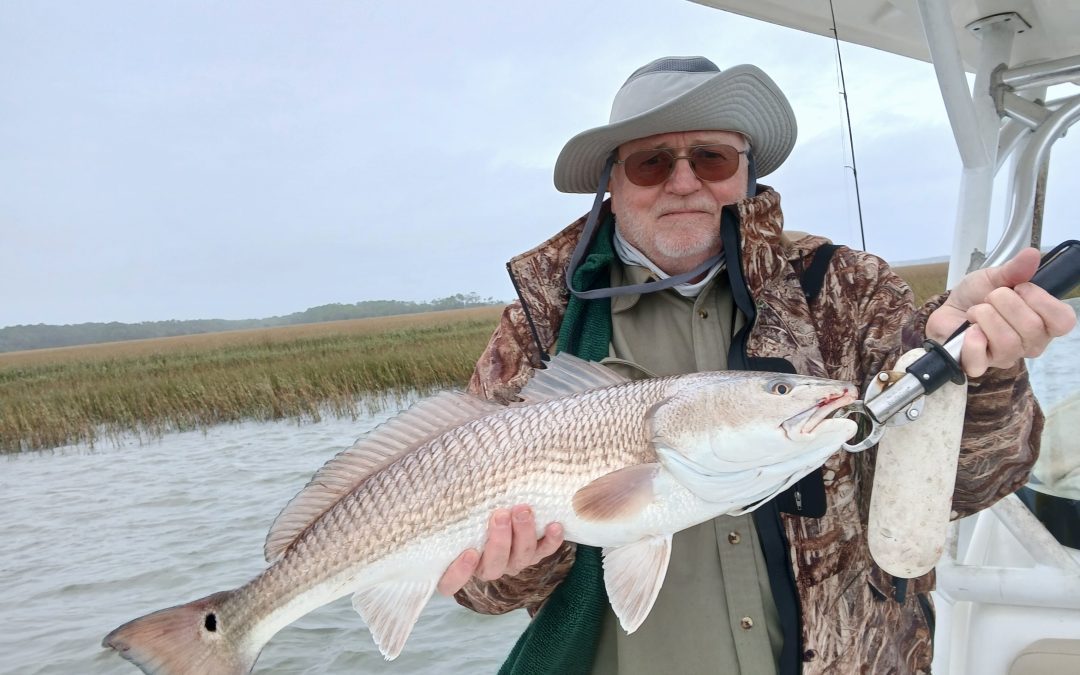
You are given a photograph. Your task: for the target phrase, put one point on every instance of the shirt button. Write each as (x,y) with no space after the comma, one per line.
(703,313)
(747,623)
(733,538)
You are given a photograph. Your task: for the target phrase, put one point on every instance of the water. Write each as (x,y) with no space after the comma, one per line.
(1056,374)
(94,538)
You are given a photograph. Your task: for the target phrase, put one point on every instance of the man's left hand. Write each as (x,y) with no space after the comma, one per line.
(1011,318)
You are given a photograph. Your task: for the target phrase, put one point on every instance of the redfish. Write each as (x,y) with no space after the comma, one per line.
(620,464)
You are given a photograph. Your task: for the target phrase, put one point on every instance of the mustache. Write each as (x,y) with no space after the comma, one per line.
(692,205)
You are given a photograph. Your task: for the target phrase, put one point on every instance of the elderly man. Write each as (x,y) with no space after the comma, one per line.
(687,268)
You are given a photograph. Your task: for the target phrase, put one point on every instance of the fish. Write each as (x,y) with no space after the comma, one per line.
(621,464)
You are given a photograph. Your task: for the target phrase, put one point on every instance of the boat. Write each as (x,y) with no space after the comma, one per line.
(1008,586)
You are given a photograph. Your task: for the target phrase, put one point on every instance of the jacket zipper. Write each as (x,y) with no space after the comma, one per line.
(544,356)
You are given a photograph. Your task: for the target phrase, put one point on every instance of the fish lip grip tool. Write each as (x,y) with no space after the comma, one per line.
(895,397)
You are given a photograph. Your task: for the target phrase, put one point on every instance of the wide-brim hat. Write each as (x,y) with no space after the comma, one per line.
(685,93)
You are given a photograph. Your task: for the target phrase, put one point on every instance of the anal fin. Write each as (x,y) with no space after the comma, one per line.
(391,610)
(633,575)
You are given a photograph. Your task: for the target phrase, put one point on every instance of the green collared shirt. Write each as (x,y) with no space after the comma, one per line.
(715,611)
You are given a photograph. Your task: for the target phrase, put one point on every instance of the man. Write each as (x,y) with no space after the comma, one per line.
(687,268)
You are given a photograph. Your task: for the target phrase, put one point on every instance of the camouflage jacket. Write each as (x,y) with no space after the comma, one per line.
(862,320)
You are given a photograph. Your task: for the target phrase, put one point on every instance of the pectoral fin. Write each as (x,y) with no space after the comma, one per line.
(390,611)
(616,495)
(633,575)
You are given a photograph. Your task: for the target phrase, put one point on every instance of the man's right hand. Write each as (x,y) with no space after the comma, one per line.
(511,546)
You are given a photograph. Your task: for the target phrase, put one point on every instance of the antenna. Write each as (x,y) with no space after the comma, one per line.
(847,114)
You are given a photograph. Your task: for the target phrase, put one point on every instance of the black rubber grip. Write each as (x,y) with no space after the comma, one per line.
(1059,271)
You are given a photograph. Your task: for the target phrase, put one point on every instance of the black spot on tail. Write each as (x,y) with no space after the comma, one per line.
(211,622)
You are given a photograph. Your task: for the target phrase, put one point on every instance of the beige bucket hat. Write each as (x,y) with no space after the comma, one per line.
(684,93)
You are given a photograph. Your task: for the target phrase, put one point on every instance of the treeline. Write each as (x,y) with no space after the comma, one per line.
(41,336)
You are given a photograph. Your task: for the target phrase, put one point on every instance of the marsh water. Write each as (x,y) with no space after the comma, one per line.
(90,538)
(94,538)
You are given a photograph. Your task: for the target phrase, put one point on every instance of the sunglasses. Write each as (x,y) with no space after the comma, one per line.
(710,163)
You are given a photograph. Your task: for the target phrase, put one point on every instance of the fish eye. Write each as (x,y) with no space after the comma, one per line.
(780,387)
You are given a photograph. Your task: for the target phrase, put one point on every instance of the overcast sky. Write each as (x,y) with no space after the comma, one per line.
(193,159)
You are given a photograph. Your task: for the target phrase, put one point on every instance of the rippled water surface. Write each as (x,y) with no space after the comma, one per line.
(92,538)
(1055,375)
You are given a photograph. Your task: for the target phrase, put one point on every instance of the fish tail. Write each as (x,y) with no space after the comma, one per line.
(183,640)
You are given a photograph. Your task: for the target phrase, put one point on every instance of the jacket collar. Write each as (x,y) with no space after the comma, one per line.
(538,274)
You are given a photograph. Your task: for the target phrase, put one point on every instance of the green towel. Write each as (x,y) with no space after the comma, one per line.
(586,326)
(563,636)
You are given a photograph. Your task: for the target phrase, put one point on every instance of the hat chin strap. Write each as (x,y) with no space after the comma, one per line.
(751,174)
(589,232)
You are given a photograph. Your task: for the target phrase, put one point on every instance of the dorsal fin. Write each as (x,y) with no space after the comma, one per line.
(566,375)
(378,448)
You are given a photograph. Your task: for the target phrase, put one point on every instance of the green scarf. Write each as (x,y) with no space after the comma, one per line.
(563,636)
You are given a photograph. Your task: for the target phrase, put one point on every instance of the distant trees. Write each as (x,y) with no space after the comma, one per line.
(458,301)
(41,336)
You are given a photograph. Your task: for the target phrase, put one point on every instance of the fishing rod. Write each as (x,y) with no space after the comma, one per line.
(847,115)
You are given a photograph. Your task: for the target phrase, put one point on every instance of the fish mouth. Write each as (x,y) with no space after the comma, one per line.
(809,419)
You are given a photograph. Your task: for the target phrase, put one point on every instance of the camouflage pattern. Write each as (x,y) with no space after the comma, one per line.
(863,319)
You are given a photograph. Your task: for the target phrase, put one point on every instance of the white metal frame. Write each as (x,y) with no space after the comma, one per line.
(981,138)
(1010,580)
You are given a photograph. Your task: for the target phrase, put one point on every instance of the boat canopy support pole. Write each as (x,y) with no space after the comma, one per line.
(1032,159)
(983,142)
(974,119)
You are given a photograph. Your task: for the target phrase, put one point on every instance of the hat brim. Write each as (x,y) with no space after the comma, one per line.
(742,98)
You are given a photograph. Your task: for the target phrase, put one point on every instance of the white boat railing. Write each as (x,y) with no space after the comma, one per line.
(1052,579)
(982,140)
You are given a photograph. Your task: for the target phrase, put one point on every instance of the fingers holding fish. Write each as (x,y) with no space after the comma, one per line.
(459,572)
(496,553)
(511,546)
(547,545)
(525,549)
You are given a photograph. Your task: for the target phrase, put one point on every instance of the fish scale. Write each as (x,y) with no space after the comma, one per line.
(378,522)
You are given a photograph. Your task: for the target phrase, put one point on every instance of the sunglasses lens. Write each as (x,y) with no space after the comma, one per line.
(714,162)
(711,163)
(649,167)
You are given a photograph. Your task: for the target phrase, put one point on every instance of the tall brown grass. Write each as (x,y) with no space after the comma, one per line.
(56,397)
(926,281)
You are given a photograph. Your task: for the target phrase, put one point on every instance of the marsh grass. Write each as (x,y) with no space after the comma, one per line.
(50,398)
(926,281)
(55,397)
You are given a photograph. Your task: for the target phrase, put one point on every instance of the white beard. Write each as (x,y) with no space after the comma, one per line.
(683,241)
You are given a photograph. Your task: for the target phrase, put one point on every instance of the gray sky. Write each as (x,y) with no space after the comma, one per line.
(192,159)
